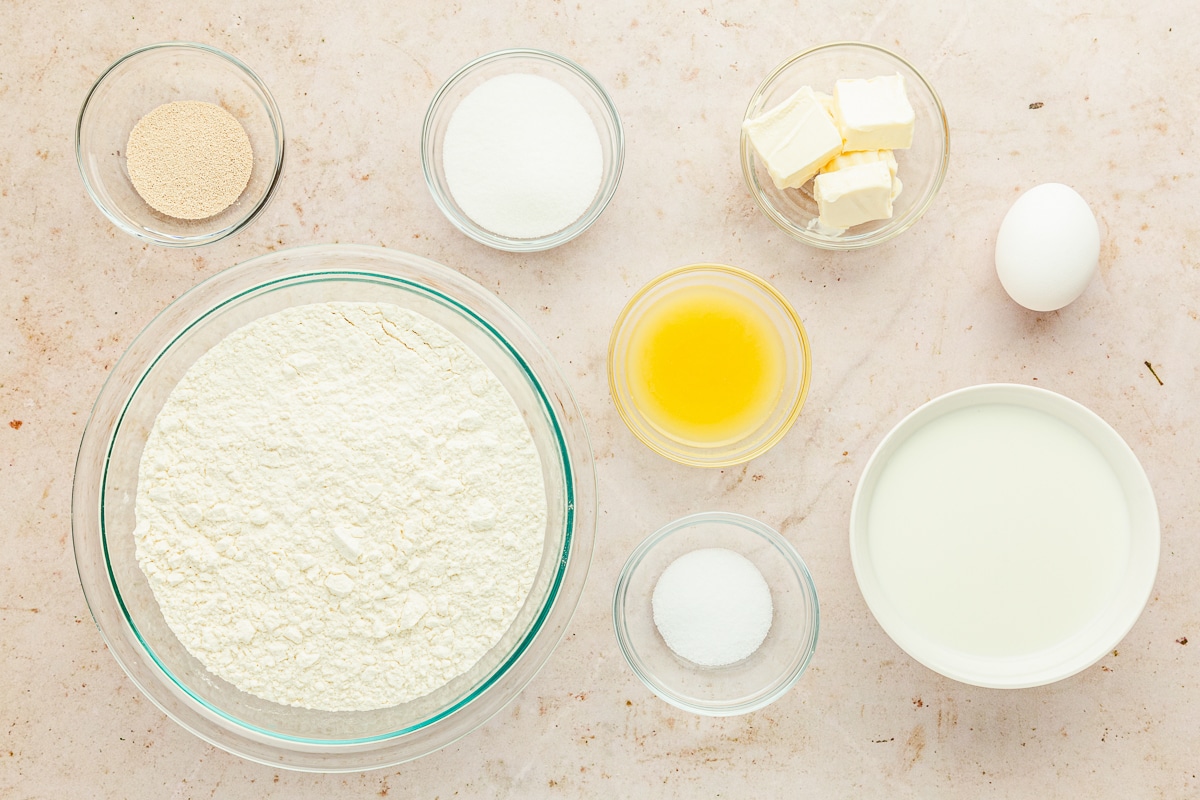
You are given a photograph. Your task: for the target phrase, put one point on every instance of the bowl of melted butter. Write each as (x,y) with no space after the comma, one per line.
(709,365)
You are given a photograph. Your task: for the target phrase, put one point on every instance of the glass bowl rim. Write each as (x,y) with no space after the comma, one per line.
(608,183)
(751,526)
(798,402)
(576,469)
(208,238)
(876,237)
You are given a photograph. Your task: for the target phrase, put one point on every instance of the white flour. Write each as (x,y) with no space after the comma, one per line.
(340,507)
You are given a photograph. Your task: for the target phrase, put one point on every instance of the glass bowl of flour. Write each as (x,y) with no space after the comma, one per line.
(334,508)
(522,150)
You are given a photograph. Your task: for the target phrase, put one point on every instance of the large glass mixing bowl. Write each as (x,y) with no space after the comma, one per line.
(105,488)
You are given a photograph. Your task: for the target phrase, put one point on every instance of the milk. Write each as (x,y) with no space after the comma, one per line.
(998,530)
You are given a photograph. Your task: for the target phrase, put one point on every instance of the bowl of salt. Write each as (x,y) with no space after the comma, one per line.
(717,614)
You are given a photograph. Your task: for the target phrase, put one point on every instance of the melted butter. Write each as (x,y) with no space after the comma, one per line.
(706,366)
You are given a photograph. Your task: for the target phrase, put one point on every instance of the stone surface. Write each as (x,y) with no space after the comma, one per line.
(1101,99)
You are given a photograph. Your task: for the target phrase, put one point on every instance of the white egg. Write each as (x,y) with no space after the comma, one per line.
(1048,247)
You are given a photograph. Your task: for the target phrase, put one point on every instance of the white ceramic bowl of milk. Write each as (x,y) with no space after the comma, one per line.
(1004,536)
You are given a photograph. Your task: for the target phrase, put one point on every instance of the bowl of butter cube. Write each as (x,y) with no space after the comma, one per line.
(844,145)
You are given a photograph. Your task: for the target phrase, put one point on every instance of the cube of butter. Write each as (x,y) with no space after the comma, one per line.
(873,114)
(853,195)
(794,139)
(856,157)
(826,101)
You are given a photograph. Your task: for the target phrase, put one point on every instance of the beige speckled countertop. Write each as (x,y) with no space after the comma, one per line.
(890,328)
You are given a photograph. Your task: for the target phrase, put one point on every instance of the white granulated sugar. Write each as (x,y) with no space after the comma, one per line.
(340,507)
(712,607)
(522,157)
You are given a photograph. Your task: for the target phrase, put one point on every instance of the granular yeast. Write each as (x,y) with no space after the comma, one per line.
(188,159)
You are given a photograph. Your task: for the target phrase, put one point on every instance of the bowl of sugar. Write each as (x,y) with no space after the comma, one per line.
(1004,536)
(522,150)
(717,614)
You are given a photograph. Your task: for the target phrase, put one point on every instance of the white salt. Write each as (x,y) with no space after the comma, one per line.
(522,157)
(712,607)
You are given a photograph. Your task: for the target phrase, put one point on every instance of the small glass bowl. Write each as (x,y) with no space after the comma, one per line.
(140,82)
(797,364)
(922,167)
(752,683)
(562,71)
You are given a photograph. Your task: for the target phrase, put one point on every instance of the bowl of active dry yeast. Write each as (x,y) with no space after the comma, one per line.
(522,150)
(334,508)
(179,144)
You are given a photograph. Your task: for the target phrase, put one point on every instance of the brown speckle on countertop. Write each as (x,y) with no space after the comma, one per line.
(15,424)
(1181,640)
(1036,106)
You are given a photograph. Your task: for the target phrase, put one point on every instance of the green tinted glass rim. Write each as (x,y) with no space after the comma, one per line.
(325,276)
